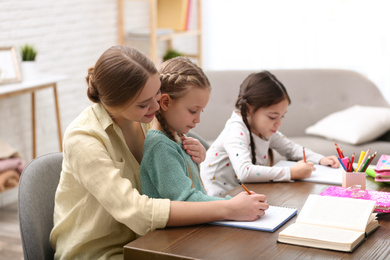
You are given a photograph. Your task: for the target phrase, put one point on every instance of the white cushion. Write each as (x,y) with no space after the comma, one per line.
(354,125)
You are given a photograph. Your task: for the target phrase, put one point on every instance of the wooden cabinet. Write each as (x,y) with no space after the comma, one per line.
(152,36)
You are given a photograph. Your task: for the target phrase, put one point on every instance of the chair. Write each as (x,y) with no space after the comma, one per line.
(37,187)
(201,140)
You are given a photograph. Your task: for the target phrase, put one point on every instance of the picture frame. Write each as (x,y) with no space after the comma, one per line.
(9,66)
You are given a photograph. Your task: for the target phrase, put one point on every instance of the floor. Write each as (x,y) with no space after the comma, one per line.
(10,243)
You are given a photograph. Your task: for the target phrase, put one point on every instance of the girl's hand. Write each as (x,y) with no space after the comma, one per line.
(331,161)
(194,148)
(301,170)
(245,207)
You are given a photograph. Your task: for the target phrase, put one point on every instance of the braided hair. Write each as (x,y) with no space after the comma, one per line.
(259,90)
(179,76)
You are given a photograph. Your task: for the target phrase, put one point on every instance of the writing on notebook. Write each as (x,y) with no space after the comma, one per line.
(322,174)
(275,217)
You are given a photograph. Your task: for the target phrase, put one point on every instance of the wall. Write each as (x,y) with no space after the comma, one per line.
(70,35)
(136,18)
(262,34)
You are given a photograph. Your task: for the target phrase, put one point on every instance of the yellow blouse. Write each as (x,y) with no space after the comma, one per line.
(98,206)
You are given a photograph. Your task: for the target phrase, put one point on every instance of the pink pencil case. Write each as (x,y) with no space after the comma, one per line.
(382,169)
(382,198)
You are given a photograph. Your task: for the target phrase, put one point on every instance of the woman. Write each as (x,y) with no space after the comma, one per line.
(98,205)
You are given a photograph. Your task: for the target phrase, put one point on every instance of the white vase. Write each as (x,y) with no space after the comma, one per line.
(29,70)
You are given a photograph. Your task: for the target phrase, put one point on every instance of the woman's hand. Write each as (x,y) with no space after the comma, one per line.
(301,170)
(331,161)
(245,207)
(194,148)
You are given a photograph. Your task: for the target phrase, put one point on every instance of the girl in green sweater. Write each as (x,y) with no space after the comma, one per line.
(167,171)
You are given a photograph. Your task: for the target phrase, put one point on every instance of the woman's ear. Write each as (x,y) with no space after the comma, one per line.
(165,102)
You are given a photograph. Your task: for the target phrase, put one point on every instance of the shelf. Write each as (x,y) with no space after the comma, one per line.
(164,37)
(155,35)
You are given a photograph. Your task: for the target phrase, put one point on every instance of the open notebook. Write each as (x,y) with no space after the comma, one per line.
(275,216)
(322,174)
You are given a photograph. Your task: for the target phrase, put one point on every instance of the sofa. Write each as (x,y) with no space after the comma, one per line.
(315,94)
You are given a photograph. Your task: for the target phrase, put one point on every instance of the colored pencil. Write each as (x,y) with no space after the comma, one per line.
(363,161)
(351,165)
(342,164)
(369,162)
(361,156)
(365,164)
(338,150)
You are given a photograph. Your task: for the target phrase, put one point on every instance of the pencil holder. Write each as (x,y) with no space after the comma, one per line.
(354,178)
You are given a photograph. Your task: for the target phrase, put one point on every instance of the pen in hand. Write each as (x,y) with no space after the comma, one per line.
(243,186)
(304,155)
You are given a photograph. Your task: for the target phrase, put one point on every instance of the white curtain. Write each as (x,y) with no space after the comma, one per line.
(261,34)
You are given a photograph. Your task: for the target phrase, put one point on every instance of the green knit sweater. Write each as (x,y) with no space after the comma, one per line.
(164,171)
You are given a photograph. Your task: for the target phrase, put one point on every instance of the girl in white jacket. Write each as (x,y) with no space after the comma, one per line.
(243,150)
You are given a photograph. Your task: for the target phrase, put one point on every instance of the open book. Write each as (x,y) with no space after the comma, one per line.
(274,217)
(334,223)
(322,174)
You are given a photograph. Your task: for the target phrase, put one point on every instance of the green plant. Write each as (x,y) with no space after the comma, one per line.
(171,54)
(28,53)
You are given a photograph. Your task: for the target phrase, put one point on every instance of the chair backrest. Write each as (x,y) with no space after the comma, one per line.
(201,139)
(37,187)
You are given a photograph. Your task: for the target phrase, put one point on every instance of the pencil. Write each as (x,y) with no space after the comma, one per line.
(338,150)
(369,162)
(304,154)
(362,154)
(342,164)
(243,186)
(363,160)
(351,165)
(365,164)
(373,156)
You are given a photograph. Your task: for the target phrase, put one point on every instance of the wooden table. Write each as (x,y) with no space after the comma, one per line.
(30,86)
(217,242)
